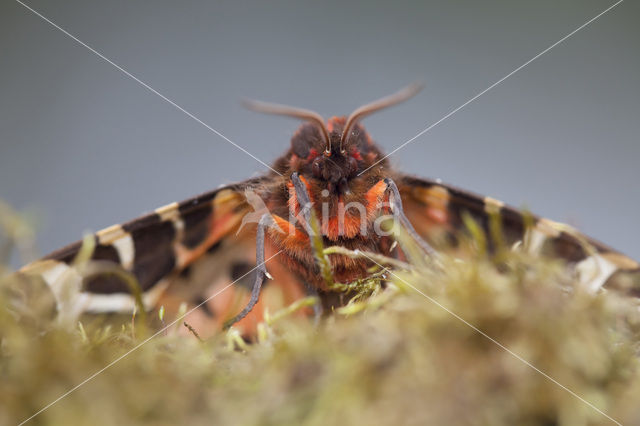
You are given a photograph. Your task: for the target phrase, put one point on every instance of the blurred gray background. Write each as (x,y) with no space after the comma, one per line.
(86,146)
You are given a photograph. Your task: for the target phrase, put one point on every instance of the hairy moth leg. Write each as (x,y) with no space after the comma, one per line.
(304,200)
(261,273)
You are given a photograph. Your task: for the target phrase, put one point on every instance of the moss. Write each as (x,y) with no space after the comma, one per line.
(413,352)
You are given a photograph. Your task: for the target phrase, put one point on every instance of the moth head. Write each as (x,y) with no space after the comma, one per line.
(333,165)
(335,153)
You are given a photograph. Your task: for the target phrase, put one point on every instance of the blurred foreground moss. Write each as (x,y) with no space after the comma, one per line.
(402,356)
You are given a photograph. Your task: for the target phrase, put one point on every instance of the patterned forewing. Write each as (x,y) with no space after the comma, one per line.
(182,253)
(441,214)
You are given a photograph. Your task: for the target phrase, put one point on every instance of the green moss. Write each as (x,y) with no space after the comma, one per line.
(402,354)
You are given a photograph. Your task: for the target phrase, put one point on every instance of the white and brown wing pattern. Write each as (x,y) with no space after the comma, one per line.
(157,249)
(188,252)
(437,212)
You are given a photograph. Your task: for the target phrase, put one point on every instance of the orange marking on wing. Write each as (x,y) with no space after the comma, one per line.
(436,199)
(437,215)
(221,224)
(220,228)
(428,210)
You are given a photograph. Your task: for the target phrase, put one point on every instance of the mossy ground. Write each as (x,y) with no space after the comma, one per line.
(402,356)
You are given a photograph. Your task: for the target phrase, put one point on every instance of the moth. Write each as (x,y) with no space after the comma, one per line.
(240,249)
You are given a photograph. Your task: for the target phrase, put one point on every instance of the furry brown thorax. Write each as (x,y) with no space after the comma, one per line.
(343,184)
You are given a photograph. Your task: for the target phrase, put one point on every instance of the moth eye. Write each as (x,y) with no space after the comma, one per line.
(316,168)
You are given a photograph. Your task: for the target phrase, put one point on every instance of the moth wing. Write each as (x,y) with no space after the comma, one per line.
(197,255)
(437,212)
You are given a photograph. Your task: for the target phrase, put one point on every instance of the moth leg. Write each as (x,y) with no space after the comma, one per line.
(398,214)
(261,272)
(304,200)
